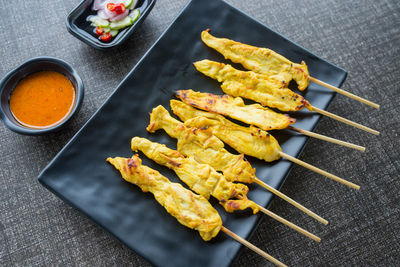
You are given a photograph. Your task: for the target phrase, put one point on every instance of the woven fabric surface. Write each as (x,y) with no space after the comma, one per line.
(363,37)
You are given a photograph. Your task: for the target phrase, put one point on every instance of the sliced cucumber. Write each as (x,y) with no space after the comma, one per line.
(127,3)
(106,29)
(99,22)
(114,33)
(125,22)
(133,4)
(134,14)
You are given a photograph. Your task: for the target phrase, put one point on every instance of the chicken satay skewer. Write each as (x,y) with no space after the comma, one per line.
(238,137)
(326,138)
(251,246)
(257,87)
(268,62)
(251,114)
(207,148)
(264,146)
(206,181)
(291,201)
(190,209)
(318,170)
(345,93)
(345,121)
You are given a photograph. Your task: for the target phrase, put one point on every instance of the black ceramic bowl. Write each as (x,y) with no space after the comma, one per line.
(8,83)
(79,27)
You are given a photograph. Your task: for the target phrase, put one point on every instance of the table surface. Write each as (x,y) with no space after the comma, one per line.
(363,37)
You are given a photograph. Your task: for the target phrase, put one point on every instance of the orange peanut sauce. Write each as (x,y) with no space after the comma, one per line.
(42,99)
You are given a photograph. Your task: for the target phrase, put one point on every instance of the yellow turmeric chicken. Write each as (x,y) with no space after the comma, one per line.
(250,85)
(201,178)
(203,146)
(235,108)
(190,209)
(247,140)
(260,60)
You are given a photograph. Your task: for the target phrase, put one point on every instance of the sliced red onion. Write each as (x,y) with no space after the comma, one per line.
(120,16)
(98,4)
(102,14)
(110,14)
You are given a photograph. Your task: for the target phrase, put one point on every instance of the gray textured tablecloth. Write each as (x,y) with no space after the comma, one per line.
(361,36)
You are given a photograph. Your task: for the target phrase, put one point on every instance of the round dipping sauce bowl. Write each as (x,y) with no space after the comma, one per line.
(32,66)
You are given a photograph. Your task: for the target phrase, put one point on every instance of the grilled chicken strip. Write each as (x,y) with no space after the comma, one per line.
(235,108)
(260,60)
(250,85)
(203,146)
(190,209)
(201,178)
(247,140)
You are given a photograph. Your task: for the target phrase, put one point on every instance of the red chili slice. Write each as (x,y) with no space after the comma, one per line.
(106,37)
(99,31)
(111,6)
(119,8)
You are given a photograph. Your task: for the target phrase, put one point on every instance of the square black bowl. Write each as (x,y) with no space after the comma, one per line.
(79,27)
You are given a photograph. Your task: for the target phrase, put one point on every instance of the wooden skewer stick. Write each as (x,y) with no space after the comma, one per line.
(318,170)
(291,201)
(346,121)
(343,92)
(326,138)
(252,247)
(289,224)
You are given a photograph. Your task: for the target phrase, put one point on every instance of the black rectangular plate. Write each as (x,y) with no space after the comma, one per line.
(80,176)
